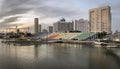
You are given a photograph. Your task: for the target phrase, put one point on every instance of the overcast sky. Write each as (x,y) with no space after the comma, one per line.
(22,12)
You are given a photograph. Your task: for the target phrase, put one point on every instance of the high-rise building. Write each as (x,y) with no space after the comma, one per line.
(50,29)
(100,19)
(36,22)
(63,26)
(81,25)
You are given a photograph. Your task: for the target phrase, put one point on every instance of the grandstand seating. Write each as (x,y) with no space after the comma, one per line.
(74,35)
(51,36)
(69,35)
(84,36)
(79,36)
(61,35)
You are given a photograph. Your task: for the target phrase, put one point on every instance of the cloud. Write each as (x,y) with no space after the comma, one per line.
(116,18)
(55,12)
(52,9)
(115,9)
(13,7)
(10,8)
(7,21)
(18,7)
(15,11)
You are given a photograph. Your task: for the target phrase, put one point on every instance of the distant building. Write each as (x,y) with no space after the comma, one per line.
(63,26)
(18,31)
(50,29)
(116,36)
(81,25)
(100,19)
(39,28)
(76,25)
(36,22)
(45,31)
(71,26)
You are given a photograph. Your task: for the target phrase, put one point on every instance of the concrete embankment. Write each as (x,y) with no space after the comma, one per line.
(47,41)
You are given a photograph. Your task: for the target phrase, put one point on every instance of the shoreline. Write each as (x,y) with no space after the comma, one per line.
(110,44)
(47,42)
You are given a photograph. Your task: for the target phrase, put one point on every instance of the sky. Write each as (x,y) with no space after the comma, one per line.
(23,12)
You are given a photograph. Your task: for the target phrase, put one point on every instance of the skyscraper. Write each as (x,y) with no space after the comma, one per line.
(100,19)
(36,21)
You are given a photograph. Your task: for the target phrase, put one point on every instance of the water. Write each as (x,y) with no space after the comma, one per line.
(56,56)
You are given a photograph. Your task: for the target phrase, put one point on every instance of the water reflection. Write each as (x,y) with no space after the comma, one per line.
(100,60)
(56,56)
(36,51)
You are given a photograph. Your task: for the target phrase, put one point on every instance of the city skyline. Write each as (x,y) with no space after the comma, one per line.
(23,12)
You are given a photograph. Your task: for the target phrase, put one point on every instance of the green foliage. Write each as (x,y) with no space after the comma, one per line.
(102,35)
(76,31)
(18,35)
(28,34)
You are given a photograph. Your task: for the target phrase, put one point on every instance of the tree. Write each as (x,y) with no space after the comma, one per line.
(102,34)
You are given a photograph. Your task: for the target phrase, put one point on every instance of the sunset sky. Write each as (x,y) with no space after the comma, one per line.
(22,12)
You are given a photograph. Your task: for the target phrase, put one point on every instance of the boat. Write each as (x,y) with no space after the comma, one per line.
(98,42)
(112,46)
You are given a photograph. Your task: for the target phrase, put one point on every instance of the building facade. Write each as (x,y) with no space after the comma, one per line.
(63,26)
(81,25)
(100,19)
(36,23)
